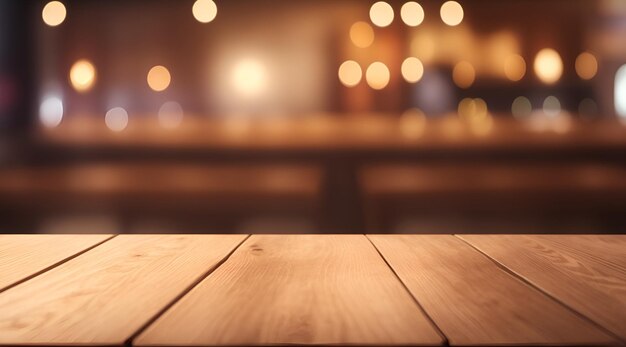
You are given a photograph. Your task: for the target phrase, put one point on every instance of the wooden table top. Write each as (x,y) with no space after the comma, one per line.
(428,290)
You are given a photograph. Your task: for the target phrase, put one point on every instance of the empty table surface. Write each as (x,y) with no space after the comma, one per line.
(211,290)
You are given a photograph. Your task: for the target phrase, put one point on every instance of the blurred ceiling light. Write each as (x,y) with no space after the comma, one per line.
(362,34)
(381,14)
(51,112)
(54,13)
(521,107)
(82,75)
(170,115)
(350,73)
(159,78)
(451,13)
(551,106)
(204,11)
(586,66)
(377,75)
(413,124)
(412,14)
(620,92)
(249,77)
(412,70)
(116,119)
(548,66)
(464,75)
(515,67)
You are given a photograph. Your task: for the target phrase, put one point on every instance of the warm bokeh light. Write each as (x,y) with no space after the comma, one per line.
(475,114)
(170,115)
(350,73)
(412,70)
(204,11)
(413,124)
(116,119)
(620,92)
(464,74)
(82,75)
(249,77)
(381,14)
(515,67)
(551,106)
(51,112)
(586,66)
(521,107)
(54,13)
(548,65)
(159,78)
(377,75)
(412,14)
(451,13)
(362,34)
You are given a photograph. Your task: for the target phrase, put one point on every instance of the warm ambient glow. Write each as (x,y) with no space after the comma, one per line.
(82,75)
(548,66)
(116,119)
(159,78)
(377,75)
(204,11)
(412,14)
(249,77)
(620,92)
(362,34)
(451,13)
(586,66)
(381,14)
(53,13)
(515,67)
(413,124)
(350,73)
(412,70)
(521,107)
(464,74)
(51,112)
(170,115)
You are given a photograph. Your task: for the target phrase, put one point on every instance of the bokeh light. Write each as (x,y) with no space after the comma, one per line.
(586,66)
(412,70)
(51,112)
(551,106)
(82,75)
(413,124)
(116,119)
(521,107)
(412,14)
(204,11)
(249,77)
(54,13)
(515,67)
(170,115)
(464,74)
(381,14)
(362,34)
(451,13)
(588,108)
(159,78)
(350,73)
(377,75)
(620,92)
(548,65)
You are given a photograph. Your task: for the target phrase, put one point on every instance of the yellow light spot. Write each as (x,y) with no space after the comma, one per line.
(413,124)
(159,78)
(412,70)
(521,107)
(362,34)
(249,77)
(377,75)
(381,14)
(54,13)
(204,11)
(82,75)
(586,66)
(548,66)
(451,13)
(515,67)
(412,14)
(464,74)
(350,73)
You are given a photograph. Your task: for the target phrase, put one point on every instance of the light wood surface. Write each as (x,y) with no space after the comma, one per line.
(106,295)
(307,289)
(475,302)
(22,256)
(587,273)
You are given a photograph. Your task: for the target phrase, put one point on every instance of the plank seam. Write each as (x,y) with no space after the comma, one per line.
(419,306)
(57,264)
(202,277)
(529,283)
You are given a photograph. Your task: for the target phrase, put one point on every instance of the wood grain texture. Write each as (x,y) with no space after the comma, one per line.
(586,272)
(104,296)
(287,289)
(22,256)
(475,302)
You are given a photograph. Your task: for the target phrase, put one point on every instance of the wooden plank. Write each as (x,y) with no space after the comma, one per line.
(474,302)
(106,295)
(287,289)
(588,273)
(22,256)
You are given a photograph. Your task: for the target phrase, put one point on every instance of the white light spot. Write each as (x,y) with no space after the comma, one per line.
(170,115)
(51,112)
(116,119)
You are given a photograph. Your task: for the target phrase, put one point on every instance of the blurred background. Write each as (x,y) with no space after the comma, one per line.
(313,116)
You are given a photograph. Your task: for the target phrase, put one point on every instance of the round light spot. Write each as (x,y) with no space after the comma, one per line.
(54,13)
(159,78)
(451,13)
(548,66)
(350,73)
(362,34)
(249,77)
(521,107)
(412,70)
(551,106)
(515,67)
(51,112)
(204,11)
(412,14)
(588,108)
(82,75)
(620,92)
(464,75)
(170,115)
(586,66)
(377,75)
(413,124)
(116,119)
(381,14)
